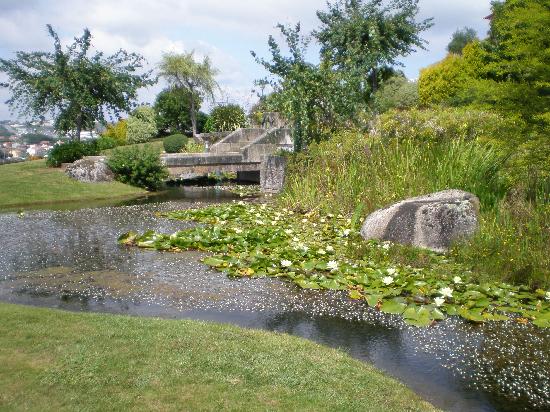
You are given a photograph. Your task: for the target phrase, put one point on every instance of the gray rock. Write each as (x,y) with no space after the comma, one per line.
(432,221)
(90,171)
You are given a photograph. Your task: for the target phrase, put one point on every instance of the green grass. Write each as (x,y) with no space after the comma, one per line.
(33,183)
(53,360)
(352,169)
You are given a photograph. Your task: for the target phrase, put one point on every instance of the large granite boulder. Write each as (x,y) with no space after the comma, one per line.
(432,221)
(90,170)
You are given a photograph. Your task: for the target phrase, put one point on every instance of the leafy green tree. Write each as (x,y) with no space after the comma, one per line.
(314,98)
(76,88)
(197,78)
(396,93)
(227,117)
(364,37)
(141,125)
(460,39)
(172,107)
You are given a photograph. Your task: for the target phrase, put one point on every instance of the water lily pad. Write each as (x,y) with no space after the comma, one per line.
(393,306)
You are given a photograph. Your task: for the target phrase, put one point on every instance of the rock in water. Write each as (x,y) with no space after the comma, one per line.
(432,221)
(90,171)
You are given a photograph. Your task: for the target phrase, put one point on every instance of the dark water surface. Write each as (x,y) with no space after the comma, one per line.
(71,260)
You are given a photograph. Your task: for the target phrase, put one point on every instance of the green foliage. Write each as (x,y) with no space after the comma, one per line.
(174,143)
(315,251)
(362,37)
(460,39)
(194,78)
(106,142)
(433,125)
(172,107)
(396,93)
(226,118)
(141,125)
(69,152)
(73,87)
(118,131)
(138,166)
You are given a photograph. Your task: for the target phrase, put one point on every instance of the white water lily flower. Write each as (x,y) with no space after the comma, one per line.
(346,232)
(304,220)
(321,252)
(547,297)
(240,202)
(329,248)
(286,263)
(387,280)
(295,239)
(305,248)
(332,265)
(322,220)
(330,215)
(385,245)
(238,231)
(446,292)
(439,301)
(289,231)
(457,279)
(273,223)
(258,222)
(391,271)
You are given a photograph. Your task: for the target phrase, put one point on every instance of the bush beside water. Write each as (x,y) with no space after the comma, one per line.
(138,166)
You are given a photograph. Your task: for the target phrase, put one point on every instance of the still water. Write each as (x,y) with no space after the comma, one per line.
(70,259)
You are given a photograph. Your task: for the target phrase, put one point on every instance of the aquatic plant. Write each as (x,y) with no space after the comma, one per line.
(319,252)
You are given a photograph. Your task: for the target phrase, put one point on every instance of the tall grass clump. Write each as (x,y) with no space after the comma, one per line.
(353,168)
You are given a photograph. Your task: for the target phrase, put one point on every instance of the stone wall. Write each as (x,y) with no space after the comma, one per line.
(272,174)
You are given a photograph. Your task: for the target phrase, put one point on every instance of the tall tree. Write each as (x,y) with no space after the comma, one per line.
(461,37)
(172,107)
(182,71)
(363,37)
(74,88)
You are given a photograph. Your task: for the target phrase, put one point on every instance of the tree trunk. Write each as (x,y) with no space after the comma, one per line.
(78,128)
(374,76)
(193,116)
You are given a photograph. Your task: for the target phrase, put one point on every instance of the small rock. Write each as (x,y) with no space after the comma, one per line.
(432,221)
(90,171)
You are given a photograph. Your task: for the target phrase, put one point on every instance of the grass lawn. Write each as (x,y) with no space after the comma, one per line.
(30,183)
(54,360)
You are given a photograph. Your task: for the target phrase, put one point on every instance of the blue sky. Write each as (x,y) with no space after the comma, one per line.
(226,30)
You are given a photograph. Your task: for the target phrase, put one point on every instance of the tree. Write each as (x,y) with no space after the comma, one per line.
(226,118)
(74,88)
(364,37)
(172,107)
(460,39)
(396,93)
(141,125)
(181,71)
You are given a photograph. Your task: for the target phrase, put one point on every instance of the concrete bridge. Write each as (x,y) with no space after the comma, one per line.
(243,151)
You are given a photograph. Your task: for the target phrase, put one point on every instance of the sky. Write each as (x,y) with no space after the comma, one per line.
(225,30)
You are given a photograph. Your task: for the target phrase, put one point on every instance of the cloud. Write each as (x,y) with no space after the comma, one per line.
(226,30)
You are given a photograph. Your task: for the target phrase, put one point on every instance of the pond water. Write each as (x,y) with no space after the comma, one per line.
(70,259)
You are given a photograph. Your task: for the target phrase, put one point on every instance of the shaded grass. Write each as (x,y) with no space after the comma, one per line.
(53,360)
(157,144)
(31,183)
(353,172)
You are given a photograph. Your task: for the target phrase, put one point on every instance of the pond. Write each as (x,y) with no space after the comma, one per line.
(70,259)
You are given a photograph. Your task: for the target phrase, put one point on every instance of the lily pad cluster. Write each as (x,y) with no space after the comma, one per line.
(318,252)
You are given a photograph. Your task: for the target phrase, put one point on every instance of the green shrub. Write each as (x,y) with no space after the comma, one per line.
(118,132)
(226,118)
(138,166)
(396,93)
(106,142)
(141,125)
(69,152)
(433,125)
(174,143)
